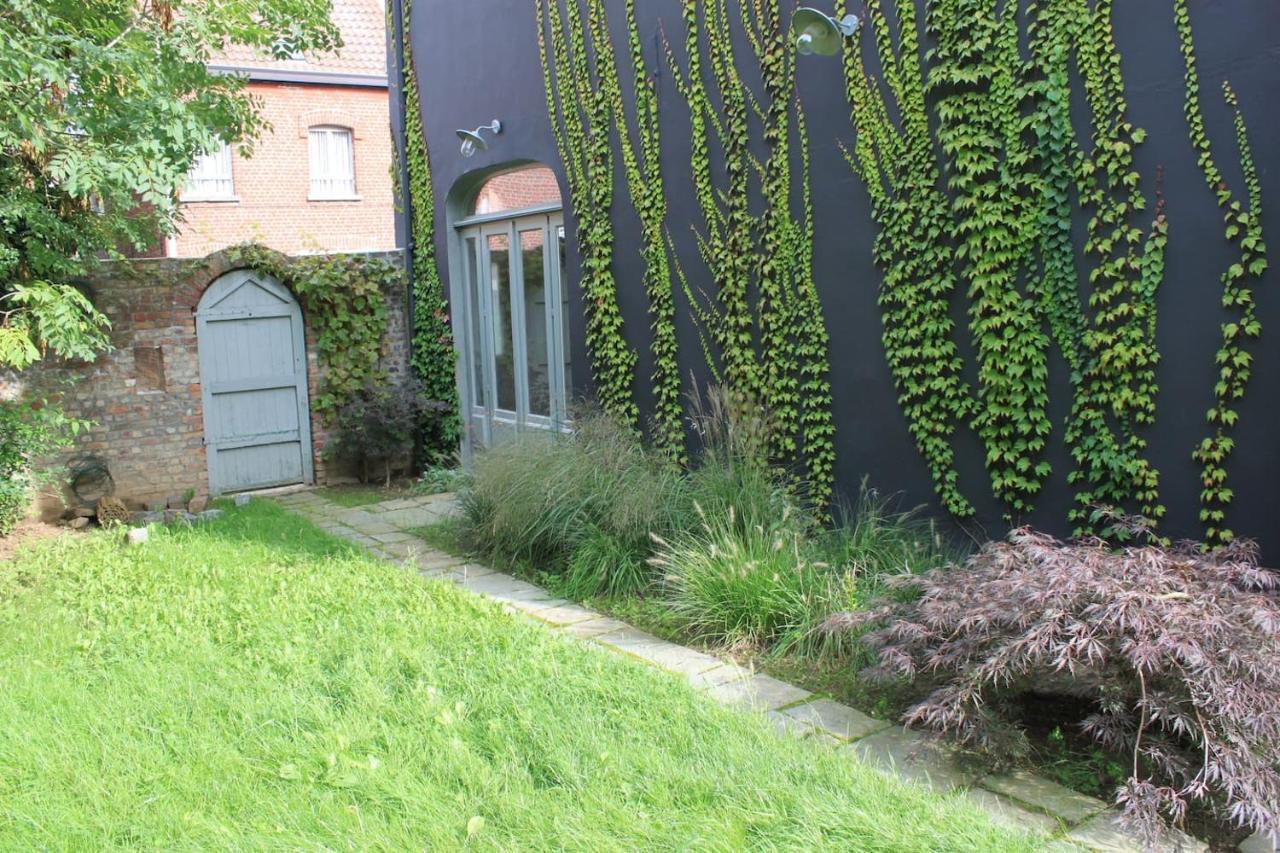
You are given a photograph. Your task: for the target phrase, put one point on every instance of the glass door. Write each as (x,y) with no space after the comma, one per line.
(516,353)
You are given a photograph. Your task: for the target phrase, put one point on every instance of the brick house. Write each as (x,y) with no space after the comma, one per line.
(319,179)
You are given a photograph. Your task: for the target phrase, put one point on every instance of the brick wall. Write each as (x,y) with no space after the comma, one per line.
(272,187)
(144,395)
(526,187)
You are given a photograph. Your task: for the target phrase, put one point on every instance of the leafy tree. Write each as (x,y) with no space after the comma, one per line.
(104,105)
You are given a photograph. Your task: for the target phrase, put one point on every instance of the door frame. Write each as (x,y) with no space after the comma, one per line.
(221,288)
(480,420)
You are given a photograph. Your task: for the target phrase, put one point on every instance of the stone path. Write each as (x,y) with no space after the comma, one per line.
(1018,800)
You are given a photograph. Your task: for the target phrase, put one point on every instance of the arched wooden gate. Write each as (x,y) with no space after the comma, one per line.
(253,377)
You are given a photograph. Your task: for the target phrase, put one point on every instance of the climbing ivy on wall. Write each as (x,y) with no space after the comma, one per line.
(1116,395)
(975,76)
(1011,162)
(582,112)
(345,301)
(642,162)
(762,327)
(432,354)
(1244,231)
(899,169)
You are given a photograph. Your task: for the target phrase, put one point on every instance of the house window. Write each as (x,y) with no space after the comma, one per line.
(333,174)
(210,177)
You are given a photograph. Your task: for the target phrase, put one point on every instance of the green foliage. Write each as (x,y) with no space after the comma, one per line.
(104,107)
(745,585)
(432,356)
(603,564)
(1012,162)
(899,169)
(313,696)
(763,328)
(437,480)
(376,427)
(537,498)
(976,76)
(581,109)
(1116,394)
(1244,232)
(345,300)
(642,162)
(29,431)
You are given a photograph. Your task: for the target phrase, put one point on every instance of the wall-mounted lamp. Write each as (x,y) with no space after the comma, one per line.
(472,141)
(818,32)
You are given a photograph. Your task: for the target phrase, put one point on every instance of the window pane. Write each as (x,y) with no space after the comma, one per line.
(535,321)
(332,162)
(476,330)
(210,176)
(564,318)
(503,342)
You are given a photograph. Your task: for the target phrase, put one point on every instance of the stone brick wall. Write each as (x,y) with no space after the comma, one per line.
(144,395)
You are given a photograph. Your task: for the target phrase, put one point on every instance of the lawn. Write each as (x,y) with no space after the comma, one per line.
(255,683)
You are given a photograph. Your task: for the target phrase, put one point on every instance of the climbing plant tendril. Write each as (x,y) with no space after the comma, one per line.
(1011,162)
(973,76)
(582,114)
(432,353)
(1116,394)
(913,218)
(641,160)
(1244,232)
(764,327)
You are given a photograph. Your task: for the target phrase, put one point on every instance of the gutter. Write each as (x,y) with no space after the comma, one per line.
(281,75)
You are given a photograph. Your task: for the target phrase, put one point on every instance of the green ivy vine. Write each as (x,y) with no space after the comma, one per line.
(582,113)
(642,163)
(898,167)
(431,354)
(1244,231)
(345,300)
(765,335)
(975,76)
(1116,394)
(1011,162)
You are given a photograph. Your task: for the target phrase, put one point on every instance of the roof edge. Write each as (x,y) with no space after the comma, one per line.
(282,75)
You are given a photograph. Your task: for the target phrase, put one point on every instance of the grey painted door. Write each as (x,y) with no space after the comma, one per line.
(253,378)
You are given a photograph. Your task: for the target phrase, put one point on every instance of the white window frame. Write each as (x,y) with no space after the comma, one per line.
(212,177)
(325,182)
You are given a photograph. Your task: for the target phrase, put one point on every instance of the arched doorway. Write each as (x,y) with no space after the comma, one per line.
(509,303)
(253,384)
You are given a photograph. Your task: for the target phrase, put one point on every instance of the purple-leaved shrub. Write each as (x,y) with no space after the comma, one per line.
(1177,650)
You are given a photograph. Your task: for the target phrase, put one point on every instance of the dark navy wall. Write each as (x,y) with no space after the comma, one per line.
(478,60)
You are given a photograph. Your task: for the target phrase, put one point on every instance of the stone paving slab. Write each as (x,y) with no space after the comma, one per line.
(397,536)
(840,721)
(564,614)
(760,692)
(407,519)
(723,674)
(1009,814)
(1044,795)
(911,756)
(588,629)
(1101,833)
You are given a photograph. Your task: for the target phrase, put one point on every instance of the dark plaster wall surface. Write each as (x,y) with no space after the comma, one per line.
(478,60)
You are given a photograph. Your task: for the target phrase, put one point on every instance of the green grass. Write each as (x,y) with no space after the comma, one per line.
(254,683)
